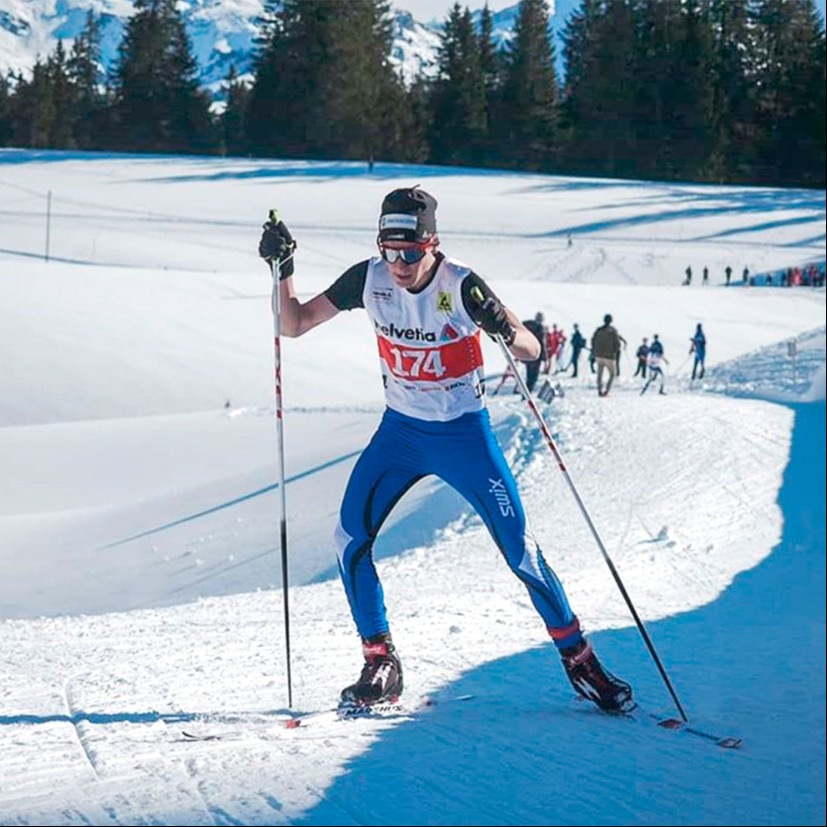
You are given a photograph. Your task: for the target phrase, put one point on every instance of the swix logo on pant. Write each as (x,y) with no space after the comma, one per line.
(410,334)
(501,496)
(430,364)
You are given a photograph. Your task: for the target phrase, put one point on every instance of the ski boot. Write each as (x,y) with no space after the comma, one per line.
(381,678)
(593,682)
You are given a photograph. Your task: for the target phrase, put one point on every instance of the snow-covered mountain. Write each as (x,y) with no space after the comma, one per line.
(222,33)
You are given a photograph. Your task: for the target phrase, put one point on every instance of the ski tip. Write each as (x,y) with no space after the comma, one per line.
(434,700)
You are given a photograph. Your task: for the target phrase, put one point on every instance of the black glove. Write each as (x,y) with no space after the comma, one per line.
(278,245)
(492,318)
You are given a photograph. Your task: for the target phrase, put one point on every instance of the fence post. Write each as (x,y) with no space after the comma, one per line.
(48,221)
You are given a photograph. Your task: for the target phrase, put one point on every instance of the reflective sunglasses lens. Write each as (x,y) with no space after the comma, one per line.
(410,255)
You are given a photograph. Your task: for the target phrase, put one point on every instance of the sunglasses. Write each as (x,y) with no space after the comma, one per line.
(409,255)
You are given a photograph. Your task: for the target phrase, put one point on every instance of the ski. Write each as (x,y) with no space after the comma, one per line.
(228,735)
(679,725)
(670,722)
(385,711)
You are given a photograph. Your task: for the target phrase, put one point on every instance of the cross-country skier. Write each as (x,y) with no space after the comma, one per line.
(426,314)
(655,371)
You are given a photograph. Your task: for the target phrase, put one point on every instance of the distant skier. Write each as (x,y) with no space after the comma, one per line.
(655,371)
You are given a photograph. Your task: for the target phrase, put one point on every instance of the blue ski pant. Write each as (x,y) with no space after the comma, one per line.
(465,454)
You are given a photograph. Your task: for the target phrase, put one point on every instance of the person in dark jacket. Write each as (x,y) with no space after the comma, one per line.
(578,342)
(642,354)
(698,347)
(657,346)
(606,352)
(532,369)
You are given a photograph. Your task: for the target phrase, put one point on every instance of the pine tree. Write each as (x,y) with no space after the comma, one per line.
(86,74)
(491,62)
(675,101)
(233,139)
(324,85)
(63,99)
(458,96)
(602,92)
(790,79)
(731,100)
(5,111)
(33,109)
(159,106)
(528,131)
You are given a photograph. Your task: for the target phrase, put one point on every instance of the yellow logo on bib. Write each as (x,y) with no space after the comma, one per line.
(444,302)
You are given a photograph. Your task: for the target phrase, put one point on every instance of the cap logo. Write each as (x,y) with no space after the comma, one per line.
(397,221)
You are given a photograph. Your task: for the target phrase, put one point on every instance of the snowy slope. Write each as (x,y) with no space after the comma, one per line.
(139,542)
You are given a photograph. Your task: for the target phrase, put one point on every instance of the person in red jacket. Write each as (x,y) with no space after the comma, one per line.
(555,340)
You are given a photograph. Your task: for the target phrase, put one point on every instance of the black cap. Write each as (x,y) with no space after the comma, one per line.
(408,214)
(607,319)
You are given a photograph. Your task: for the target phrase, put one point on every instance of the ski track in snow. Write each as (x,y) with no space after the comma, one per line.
(656,572)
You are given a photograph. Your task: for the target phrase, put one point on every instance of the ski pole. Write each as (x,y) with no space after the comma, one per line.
(275,272)
(477,294)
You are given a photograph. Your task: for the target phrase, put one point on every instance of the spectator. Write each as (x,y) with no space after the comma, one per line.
(642,354)
(578,342)
(555,339)
(617,358)
(705,279)
(606,351)
(745,276)
(698,347)
(688,279)
(728,272)
(532,368)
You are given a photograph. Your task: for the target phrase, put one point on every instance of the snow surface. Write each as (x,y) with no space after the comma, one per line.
(139,528)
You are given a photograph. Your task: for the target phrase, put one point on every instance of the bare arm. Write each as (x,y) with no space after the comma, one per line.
(525,346)
(297,317)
